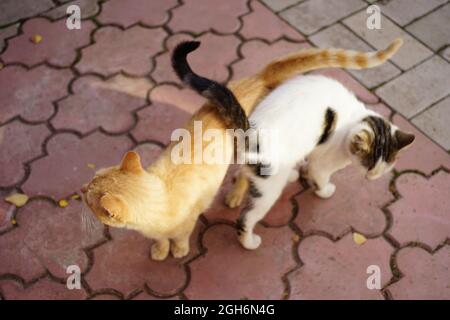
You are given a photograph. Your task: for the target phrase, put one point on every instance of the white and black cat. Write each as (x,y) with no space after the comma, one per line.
(321,125)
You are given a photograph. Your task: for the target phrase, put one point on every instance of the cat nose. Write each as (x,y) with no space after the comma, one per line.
(84,188)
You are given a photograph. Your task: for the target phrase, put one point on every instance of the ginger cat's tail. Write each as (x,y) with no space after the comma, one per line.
(221,97)
(312,59)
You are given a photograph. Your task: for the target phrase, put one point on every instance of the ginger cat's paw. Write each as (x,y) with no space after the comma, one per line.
(234,198)
(179,251)
(159,252)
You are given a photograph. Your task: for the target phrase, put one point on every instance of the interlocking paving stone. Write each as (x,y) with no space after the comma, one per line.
(65,169)
(423,155)
(120,268)
(434,28)
(424,274)
(346,209)
(211,59)
(107,104)
(202,15)
(118,50)
(434,122)
(405,11)
(44,289)
(18,144)
(278,5)
(446,53)
(310,16)
(338,36)
(88,8)
(7,33)
(47,238)
(209,272)
(262,23)
(13,10)
(126,13)
(412,51)
(339,270)
(425,218)
(58,45)
(6,212)
(29,94)
(171,109)
(418,88)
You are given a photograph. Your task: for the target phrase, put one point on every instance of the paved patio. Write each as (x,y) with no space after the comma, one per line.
(75,101)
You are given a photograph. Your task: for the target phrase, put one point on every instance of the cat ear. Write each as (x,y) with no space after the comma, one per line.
(404,139)
(361,142)
(131,162)
(112,205)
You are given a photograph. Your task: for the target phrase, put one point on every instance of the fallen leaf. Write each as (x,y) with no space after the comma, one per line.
(1,66)
(359,238)
(91,165)
(36,38)
(17,199)
(75,197)
(13,222)
(63,203)
(296,238)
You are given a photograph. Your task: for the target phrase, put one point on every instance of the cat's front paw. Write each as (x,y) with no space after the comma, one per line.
(327,191)
(159,252)
(179,251)
(250,241)
(234,198)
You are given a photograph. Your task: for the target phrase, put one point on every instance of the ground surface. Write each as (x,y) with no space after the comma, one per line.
(77,100)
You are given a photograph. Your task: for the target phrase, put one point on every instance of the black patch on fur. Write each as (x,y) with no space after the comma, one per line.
(384,145)
(328,125)
(221,97)
(240,222)
(257,168)
(253,190)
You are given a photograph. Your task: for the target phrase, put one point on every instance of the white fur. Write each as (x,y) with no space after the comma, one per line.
(294,112)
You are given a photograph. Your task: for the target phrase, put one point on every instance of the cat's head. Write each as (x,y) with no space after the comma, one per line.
(375,143)
(119,196)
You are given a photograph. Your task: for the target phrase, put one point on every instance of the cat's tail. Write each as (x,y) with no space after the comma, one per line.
(312,59)
(222,98)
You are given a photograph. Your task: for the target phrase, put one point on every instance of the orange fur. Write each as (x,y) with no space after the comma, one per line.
(164,201)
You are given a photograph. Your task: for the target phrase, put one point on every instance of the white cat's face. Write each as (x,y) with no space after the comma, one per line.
(375,144)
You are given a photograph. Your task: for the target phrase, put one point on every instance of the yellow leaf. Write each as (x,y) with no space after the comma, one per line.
(13,222)
(36,38)
(63,203)
(1,66)
(75,197)
(17,199)
(359,238)
(296,238)
(91,165)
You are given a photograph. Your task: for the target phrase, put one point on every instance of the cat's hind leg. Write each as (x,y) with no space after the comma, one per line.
(237,194)
(262,195)
(179,246)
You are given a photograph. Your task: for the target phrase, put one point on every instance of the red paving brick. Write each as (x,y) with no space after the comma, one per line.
(338,270)
(246,274)
(29,94)
(87,96)
(425,275)
(67,161)
(19,144)
(347,208)
(111,52)
(57,46)
(421,219)
(150,13)
(106,104)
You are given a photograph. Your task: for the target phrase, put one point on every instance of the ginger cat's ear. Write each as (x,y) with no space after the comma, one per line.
(131,162)
(361,142)
(113,206)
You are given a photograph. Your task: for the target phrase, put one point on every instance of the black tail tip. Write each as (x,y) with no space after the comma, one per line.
(186,47)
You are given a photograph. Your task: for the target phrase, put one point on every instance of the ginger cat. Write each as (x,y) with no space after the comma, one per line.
(164,202)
